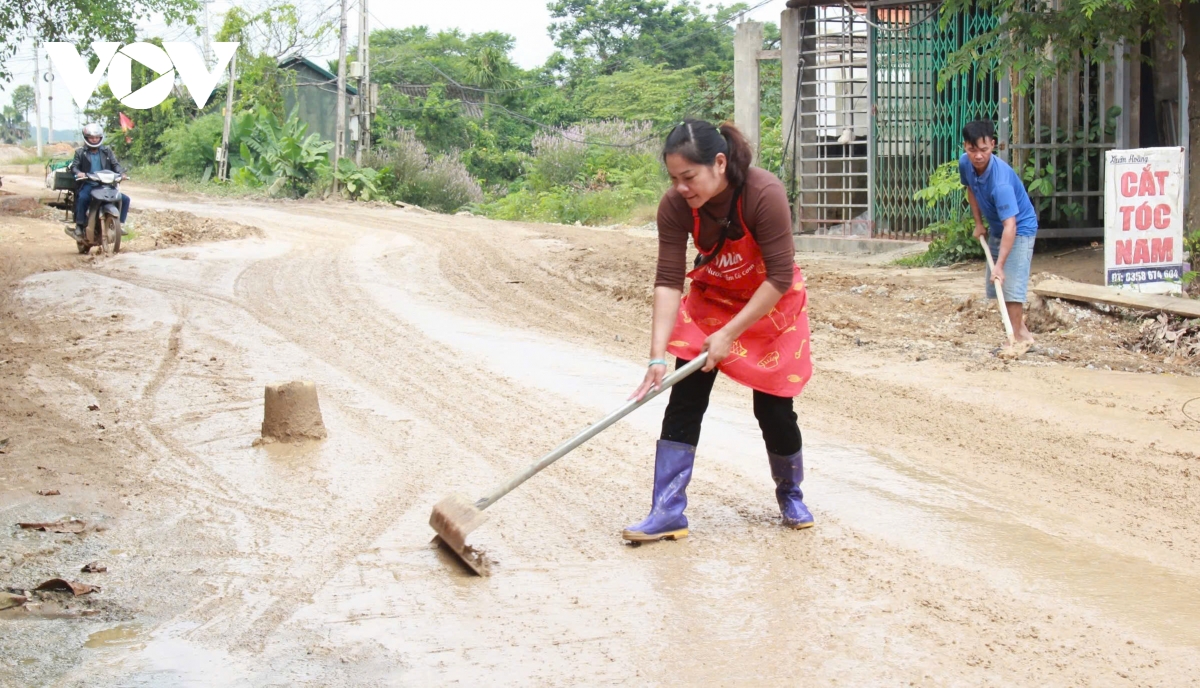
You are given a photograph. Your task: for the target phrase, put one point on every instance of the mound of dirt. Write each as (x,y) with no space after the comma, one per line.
(291,413)
(163,228)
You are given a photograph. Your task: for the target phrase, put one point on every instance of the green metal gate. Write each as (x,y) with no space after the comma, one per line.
(916,127)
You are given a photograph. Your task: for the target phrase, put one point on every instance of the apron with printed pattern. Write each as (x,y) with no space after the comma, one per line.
(773,355)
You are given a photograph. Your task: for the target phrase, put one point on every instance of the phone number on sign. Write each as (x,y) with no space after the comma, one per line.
(1172,273)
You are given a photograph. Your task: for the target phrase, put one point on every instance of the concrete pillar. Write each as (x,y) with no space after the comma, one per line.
(747,42)
(789,57)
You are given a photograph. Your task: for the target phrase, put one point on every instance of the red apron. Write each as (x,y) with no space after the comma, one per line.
(773,355)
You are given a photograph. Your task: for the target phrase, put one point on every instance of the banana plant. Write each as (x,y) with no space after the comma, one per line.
(360,182)
(280,156)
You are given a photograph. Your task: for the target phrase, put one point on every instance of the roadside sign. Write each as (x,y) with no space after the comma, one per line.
(1143,219)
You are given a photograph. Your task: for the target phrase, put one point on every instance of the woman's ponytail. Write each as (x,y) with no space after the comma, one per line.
(739,155)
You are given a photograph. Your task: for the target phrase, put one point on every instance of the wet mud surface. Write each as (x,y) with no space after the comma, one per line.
(979,522)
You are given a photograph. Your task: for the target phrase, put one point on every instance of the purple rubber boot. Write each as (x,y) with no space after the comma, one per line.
(672,472)
(788,472)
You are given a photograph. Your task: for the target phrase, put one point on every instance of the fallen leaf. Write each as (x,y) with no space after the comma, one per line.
(9,600)
(63,585)
(49,493)
(94,567)
(72,526)
(93,407)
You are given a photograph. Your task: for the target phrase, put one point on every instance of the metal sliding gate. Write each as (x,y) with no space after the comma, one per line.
(833,122)
(916,125)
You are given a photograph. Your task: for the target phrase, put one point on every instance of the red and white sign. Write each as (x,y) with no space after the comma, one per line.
(1143,219)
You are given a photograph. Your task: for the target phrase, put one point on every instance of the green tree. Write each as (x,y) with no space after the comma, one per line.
(641,93)
(489,68)
(81,21)
(12,127)
(24,100)
(423,78)
(599,36)
(1037,37)
(266,37)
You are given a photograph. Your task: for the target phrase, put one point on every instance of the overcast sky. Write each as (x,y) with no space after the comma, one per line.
(525,20)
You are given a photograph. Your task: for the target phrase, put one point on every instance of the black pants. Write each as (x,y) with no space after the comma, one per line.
(689,401)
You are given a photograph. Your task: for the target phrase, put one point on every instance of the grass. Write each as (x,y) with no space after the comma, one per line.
(29,160)
(158,176)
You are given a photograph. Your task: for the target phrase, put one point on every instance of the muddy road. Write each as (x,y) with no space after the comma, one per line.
(978,522)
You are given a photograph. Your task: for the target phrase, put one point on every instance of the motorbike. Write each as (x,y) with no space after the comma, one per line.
(103,226)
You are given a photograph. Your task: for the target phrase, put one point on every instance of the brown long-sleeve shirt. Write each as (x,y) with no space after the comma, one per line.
(768,218)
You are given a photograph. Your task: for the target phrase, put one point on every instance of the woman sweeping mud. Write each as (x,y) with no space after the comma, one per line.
(747,307)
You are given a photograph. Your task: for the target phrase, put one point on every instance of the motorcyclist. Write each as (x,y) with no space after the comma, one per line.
(93,157)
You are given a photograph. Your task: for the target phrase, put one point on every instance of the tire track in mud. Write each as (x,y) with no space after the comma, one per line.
(263,519)
(414,385)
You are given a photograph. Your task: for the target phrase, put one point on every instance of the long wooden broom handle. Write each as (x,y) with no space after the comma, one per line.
(987,251)
(590,432)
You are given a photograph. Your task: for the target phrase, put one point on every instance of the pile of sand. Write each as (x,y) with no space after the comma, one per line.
(291,413)
(165,228)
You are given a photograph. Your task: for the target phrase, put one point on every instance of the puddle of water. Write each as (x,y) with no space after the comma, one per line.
(953,523)
(158,658)
(117,636)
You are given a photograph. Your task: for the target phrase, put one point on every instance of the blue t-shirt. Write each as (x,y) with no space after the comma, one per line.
(1001,195)
(96,161)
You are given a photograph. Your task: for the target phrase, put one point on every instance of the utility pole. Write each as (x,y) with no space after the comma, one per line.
(223,163)
(364,96)
(339,143)
(50,99)
(37,94)
(208,55)
(369,88)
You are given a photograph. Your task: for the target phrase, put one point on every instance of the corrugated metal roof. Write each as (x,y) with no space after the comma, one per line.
(299,60)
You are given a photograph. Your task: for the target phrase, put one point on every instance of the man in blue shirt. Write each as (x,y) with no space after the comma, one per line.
(998,196)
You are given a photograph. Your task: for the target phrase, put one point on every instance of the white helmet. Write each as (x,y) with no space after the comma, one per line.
(90,130)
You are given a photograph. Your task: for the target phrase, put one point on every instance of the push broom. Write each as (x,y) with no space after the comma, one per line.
(455,517)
